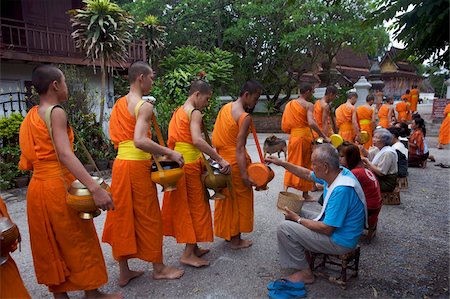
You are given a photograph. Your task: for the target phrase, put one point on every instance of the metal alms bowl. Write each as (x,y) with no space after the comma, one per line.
(80,199)
(10,235)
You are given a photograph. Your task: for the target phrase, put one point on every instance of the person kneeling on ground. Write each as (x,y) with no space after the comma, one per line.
(336,229)
(384,162)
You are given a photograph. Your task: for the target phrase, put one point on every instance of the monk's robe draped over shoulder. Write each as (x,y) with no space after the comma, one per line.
(66,251)
(295,123)
(364,116)
(11,284)
(318,111)
(344,116)
(232,215)
(444,131)
(186,212)
(402,110)
(134,228)
(383,114)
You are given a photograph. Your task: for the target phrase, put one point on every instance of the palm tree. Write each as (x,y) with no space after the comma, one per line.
(155,34)
(102,31)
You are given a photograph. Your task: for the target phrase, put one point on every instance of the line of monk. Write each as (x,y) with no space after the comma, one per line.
(365,117)
(65,248)
(345,117)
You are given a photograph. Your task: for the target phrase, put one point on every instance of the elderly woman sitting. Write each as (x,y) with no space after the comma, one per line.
(384,162)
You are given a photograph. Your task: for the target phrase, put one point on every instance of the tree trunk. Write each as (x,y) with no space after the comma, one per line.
(102,93)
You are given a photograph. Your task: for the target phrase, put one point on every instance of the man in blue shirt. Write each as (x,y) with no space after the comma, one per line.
(336,229)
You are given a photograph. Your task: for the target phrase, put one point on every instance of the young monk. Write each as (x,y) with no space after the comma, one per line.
(186,212)
(345,115)
(444,131)
(134,229)
(298,120)
(322,111)
(403,108)
(234,215)
(386,113)
(414,98)
(11,284)
(66,252)
(366,119)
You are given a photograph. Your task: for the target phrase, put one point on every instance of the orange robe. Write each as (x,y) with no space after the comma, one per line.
(231,215)
(318,118)
(414,99)
(11,284)
(66,251)
(295,123)
(444,131)
(134,228)
(186,212)
(344,116)
(383,114)
(364,116)
(402,109)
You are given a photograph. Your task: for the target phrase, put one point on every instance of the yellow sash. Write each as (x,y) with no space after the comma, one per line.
(127,151)
(189,151)
(365,122)
(448,114)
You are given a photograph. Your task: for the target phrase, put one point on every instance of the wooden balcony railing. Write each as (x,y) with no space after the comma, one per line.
(20,37)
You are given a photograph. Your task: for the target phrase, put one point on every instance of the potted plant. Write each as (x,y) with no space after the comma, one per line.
(22,179)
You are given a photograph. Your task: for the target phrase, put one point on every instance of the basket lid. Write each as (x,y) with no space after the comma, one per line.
(336,140)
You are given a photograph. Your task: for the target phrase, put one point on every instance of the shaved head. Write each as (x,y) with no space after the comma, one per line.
(43,75)
(201,86)
(138,68)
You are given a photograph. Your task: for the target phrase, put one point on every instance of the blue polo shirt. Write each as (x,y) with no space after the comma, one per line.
(345,212)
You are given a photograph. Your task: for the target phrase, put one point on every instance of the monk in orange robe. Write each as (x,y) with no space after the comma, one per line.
(11,284)
(403,108)
(414,98)
(234,214)
(322,111)
(66,251)
(366,119)
(346,118)
(298,121)
(386,113)
(444,131)
(134,228)
(186,212)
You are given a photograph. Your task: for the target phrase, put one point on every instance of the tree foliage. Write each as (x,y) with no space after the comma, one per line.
(102,31)
(422,25)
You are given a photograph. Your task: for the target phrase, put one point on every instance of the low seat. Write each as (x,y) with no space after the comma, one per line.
(345,261)
(391,198)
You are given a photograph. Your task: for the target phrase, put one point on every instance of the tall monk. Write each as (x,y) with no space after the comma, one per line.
(186,212)
(444,131)
(234,214)
(134,228)
(366,119)
(386,113)
(403,108)
(298,121)
(346,118)
(322,111)
(11,284)
(66,251)
(414,98)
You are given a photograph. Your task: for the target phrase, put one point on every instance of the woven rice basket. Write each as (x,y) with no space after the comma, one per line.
(293,201)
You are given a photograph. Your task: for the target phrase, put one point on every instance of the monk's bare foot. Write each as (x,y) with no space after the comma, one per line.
(198,251)
(98,294)
(305,276)
(194,261)
(240,244)
(127,276)
(166,272)
(440,146)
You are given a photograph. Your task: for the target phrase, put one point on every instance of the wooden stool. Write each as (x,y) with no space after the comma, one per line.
(391,198)
(346,261)
(402,183)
